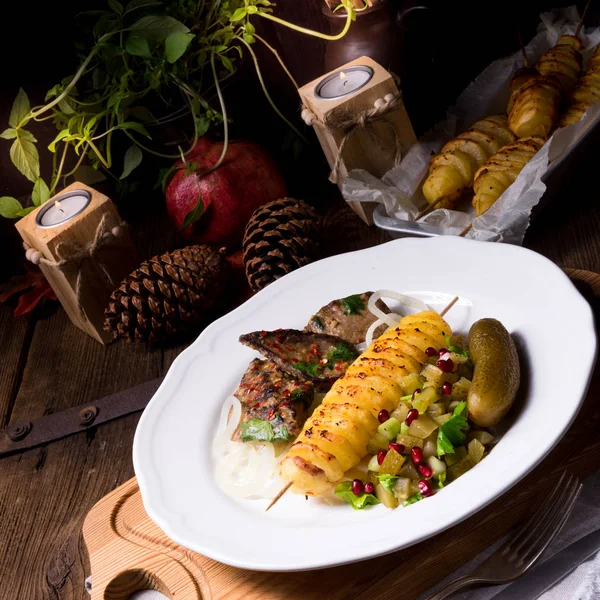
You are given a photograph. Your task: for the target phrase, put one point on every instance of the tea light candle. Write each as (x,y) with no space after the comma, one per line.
(343,82)
(63,208)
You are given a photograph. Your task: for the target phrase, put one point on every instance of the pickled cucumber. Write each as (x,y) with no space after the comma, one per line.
(496,375)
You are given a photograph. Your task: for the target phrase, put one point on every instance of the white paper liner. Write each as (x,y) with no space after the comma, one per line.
(399,190)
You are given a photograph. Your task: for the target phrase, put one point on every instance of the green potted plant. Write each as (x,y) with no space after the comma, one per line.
(148,63)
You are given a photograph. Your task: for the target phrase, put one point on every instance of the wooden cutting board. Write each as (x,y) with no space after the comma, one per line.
(128,552)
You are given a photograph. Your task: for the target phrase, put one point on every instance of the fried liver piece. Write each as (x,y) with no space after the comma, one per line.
(309,356)
(274,404)
(348,318)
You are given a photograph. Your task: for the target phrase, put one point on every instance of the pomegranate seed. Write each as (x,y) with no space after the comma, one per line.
(444,350)
(425,470)
(413,415)
(425,488)
(369,488)
(399,448)
(358,487)
(383,415)
(417,455)
(447,388)
(381,456)
(445,365)
(431,351)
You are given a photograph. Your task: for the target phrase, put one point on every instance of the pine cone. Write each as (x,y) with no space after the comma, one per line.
(280,237)
(167,294)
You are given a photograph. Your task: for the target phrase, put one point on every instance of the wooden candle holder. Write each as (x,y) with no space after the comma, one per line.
(65,243)
(372,147)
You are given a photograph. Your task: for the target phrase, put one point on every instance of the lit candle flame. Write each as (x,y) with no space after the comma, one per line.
(344,77)
(57,204)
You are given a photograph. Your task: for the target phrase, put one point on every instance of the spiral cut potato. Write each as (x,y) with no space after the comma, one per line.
(501,170)
(335,437)
(534,106)
(563,61)
(586,92)
(451,171)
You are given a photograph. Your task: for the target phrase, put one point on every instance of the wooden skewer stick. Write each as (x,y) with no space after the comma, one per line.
(522,46)
(427,210)
(465,230)
(587,5)
(281,492)
(287,486)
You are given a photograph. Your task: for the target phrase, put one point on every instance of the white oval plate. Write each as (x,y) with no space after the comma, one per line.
(551,322)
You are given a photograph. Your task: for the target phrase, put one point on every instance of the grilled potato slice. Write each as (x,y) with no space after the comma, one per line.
(535,107)
(585,94)
(563,61)
(451,171)
(501,170)
(320,456)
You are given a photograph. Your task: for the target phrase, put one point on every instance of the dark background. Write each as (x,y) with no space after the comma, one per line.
(441,52)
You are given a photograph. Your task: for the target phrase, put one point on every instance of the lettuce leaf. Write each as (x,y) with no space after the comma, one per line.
(387,481)
(453,432)
(344,491)
(412,499)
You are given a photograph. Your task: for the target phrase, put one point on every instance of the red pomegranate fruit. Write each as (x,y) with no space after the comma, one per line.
(246,179)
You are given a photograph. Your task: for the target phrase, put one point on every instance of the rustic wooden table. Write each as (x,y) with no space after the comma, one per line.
(48,365)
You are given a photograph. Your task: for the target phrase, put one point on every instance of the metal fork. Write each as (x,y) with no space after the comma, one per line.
(527,544)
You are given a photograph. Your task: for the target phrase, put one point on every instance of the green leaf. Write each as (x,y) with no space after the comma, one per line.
(40,193)
(387,481)
(412,499)
(456,349)
(227,63)
(344,491)
(239,14)
(53,91)
(202,125)
(10,207)
(133,157)
(9,134)
(318,323)
(250,29)
(176,45)
(116,6)
(135,127)
(19,108)
(353,305)
(66,107)
(452,433)
(257,430)
(252,10)
(25,157)
(158,28)
(137,45)
(342,351)
(249,39)
(105,24)
(88,175)
(61,136)
(25,211)
(137,4)
(26,135)
(441,479)
(194,214)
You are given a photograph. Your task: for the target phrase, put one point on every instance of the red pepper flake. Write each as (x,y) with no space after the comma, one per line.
(279,338)
(271,415)
(314,349)
(306,387)
(277,347)
(263,333)
(289,348)
(256,405)
(277,385)
(285,393)
(294,360)
(284,403)
(338,367)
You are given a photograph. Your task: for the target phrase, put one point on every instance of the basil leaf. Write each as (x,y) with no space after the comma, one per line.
(158,28)
(19,108)
(353,305)
(9,134)
(25,157)
(137,45)
(133,157)
(344,491)
(387,481)
(137,4)
(116,6)
(176,45)
(194,214)
(10,207)
(40,193)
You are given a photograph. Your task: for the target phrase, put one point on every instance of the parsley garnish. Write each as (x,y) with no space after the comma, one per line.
(344,491)
(453,432)
(341,352)
(256,430)
(297,395)
(456,349)
(353,305)
(317,321)
(309,368)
